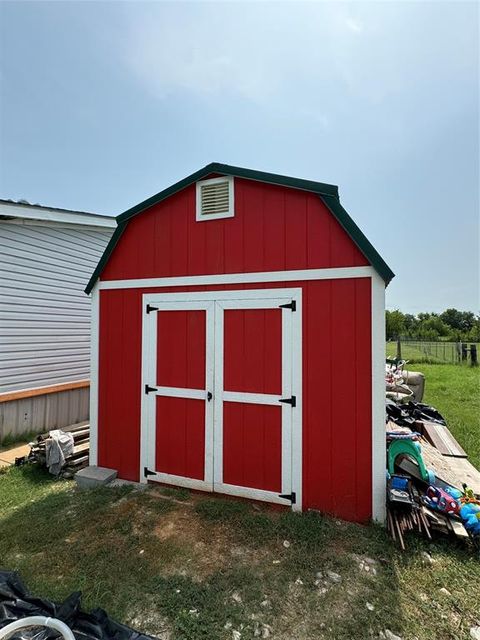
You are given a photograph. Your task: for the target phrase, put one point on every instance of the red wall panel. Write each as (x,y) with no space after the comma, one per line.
(274,228)
(337,410)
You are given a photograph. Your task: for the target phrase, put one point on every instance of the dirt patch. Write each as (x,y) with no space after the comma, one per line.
(210,548)
(152,623)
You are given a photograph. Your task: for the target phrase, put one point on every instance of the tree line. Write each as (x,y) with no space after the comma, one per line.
(452,324)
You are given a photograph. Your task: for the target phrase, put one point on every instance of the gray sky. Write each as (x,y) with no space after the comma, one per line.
(105,103)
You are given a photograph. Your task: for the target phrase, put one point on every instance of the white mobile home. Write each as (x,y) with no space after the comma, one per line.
(46,257)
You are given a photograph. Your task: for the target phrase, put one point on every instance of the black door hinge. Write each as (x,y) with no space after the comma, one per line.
(147,472)
(292,401)
(150,308)
(289,496)
(291,305)
(148,388)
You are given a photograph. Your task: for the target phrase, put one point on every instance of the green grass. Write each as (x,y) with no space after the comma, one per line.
(455,391)
(202,568)
(169,561)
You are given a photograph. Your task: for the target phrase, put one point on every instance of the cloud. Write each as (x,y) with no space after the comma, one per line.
(354,25)
(302,60)
(255,51)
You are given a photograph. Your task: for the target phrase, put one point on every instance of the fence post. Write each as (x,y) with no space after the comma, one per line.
(464,351)
(399,349)
(473,355)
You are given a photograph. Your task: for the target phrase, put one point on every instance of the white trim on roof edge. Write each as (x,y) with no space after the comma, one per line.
(241,278)
(33,212)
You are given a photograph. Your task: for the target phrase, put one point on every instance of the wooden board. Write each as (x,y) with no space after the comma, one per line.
(453,471)
(8,396)
(458,529)
(440,437)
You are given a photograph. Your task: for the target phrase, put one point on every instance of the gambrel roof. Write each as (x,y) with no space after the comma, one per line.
(328,193)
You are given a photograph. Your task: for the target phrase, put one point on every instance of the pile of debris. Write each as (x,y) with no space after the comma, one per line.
(62,452)
(431,486)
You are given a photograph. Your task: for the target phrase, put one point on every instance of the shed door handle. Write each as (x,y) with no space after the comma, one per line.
(209,396)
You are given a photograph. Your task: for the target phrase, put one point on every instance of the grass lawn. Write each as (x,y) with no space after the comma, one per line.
(455,391)
(182,566)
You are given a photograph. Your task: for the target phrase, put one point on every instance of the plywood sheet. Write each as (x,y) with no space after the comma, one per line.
(440,437)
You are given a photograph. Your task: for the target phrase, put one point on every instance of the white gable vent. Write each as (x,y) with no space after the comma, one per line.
(215,198)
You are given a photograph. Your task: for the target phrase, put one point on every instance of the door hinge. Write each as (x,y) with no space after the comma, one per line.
(289,496)
(147,472)
(148,388)
(150,308)
(291,305)
(292,401)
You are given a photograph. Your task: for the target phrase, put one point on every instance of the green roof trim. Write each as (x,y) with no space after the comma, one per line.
(328,193)
(360,239)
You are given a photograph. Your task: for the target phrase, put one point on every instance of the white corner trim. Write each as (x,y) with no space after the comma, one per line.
(94,344)
(378,400)
(229,213)
(242,278)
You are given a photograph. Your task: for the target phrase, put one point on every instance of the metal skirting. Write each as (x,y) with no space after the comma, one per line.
(43,412)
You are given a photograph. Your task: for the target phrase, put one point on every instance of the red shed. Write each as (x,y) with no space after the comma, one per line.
(238,344)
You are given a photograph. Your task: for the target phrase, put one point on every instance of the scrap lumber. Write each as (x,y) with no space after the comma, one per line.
(440,437)
(454,471)
(79,457)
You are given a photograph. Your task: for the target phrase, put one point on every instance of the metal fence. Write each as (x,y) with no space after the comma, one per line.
(434,351)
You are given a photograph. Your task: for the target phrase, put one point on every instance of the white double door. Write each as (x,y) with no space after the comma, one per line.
(221,392)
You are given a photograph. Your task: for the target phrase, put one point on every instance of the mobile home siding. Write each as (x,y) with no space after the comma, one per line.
(44,313)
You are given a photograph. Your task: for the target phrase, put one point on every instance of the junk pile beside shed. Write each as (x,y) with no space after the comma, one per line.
(62,452)
(431,486)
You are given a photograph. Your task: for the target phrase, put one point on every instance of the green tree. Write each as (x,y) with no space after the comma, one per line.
(394,324)
(431,327)
(462,321)
(410,323)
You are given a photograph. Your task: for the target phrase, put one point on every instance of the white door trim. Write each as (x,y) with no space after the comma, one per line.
(291,418)
(149,377)
(175,300)
(214,302)
(241,278)
(180,392)
(250,398)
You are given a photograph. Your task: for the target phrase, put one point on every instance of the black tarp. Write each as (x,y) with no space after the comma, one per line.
(406,414)
(16,602)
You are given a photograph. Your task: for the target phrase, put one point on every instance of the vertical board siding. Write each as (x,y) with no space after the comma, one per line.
(274,228)
(252,446)
(180,437)
(44,312)
(337,411)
